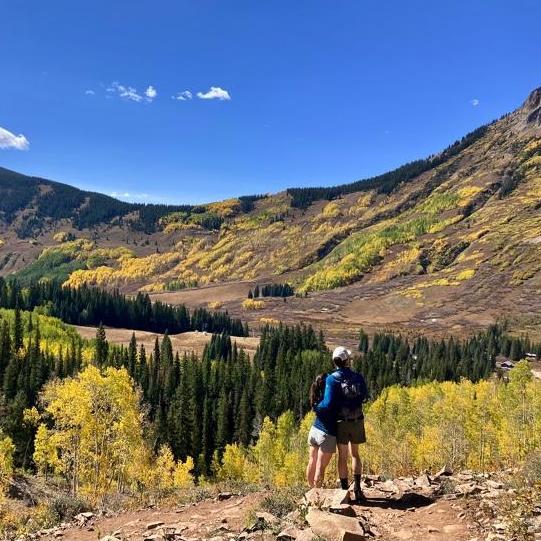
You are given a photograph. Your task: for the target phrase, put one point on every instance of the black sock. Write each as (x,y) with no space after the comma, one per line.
(344,483)
(357,479)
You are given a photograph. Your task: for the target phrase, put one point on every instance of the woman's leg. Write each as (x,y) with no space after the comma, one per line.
(312,464)
(323,460)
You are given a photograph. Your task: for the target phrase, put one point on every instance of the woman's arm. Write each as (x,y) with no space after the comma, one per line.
(329,397)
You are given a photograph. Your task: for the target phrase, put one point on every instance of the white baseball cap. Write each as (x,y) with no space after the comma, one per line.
(341,353)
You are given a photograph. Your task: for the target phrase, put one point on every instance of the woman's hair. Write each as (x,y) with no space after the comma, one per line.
(317,389)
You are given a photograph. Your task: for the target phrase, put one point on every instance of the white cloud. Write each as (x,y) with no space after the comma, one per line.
(89,92)
(215,93)
(183,96)
(127,92)
(475,102)
(151,93)
(130,196)
(10,140)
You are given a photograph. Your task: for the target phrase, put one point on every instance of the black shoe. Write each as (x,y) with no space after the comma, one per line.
(359,496)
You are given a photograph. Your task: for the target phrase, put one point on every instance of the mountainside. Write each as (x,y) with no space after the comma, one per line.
(449,242)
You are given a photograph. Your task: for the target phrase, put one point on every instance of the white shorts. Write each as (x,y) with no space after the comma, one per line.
(318,438)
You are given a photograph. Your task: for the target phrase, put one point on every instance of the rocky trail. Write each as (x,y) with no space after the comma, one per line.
(440,508)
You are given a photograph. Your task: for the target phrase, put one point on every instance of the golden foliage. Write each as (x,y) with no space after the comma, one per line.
(215,305)
(63,236)
(466,274)
(481,426)
(268,321)
(6,461)
(97,430)
(251,304)
(130,269)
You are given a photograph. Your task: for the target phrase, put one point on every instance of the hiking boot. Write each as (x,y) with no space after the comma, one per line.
(359,496)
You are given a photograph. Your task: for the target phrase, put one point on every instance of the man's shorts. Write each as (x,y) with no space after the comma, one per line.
(318,438)
(350,432)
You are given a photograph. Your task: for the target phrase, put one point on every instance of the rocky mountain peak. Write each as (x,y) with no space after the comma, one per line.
(533,107)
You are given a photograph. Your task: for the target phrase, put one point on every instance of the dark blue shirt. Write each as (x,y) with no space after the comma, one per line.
(334,404)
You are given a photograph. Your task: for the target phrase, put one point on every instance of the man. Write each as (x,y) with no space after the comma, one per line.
(345,392)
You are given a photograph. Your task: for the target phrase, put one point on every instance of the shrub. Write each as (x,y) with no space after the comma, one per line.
(250,304)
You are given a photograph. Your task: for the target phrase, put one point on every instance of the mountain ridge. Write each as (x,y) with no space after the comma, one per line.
(434,231)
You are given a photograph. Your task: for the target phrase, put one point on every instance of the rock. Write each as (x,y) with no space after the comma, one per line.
(291,533)
(446,471)
(387,486)
(262,521)
(467,489)
(81,518)
(325,497)
(496,485)
(154,525)
(343,509)
(154,537)
(109,538)
(306,535)
(224,496)
(431,529)
(269,518)
(332,527)
(293,516)
(423,481)
(495,537)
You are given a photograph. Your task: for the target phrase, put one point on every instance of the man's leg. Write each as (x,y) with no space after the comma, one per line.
(356,466)
(323,460)
(343,453)
(311,468)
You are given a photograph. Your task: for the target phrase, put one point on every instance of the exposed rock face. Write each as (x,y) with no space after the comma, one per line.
(533,104)
(332,527)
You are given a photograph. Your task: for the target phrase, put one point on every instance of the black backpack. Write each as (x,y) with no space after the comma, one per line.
(352,397)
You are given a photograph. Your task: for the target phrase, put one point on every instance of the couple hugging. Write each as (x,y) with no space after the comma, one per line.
(337,400)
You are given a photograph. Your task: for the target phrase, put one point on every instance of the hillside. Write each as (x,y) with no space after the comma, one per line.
(449,243)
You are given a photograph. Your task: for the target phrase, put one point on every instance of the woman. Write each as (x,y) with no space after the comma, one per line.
(322,436)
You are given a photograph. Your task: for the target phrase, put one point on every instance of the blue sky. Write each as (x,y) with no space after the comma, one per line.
(320,92)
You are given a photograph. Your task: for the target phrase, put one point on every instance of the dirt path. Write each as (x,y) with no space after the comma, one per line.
(442,520)
(439,521)
(204,520)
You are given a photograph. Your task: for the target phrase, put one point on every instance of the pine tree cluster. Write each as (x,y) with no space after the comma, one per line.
(271,290)
(91,306)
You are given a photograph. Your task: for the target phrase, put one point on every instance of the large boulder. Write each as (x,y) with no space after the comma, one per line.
(333,527)
(327,497)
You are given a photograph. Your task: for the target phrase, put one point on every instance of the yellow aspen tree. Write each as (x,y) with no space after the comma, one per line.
(45,452)
(6,461)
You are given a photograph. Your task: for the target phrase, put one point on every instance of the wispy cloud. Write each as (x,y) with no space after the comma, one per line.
(131,196)
(89,92)
(215,93)
(150,93)
(475,102)
(130,93)
(183,96)
(126,92)
(9,140)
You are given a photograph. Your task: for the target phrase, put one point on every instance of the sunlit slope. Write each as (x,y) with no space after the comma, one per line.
(472,209)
